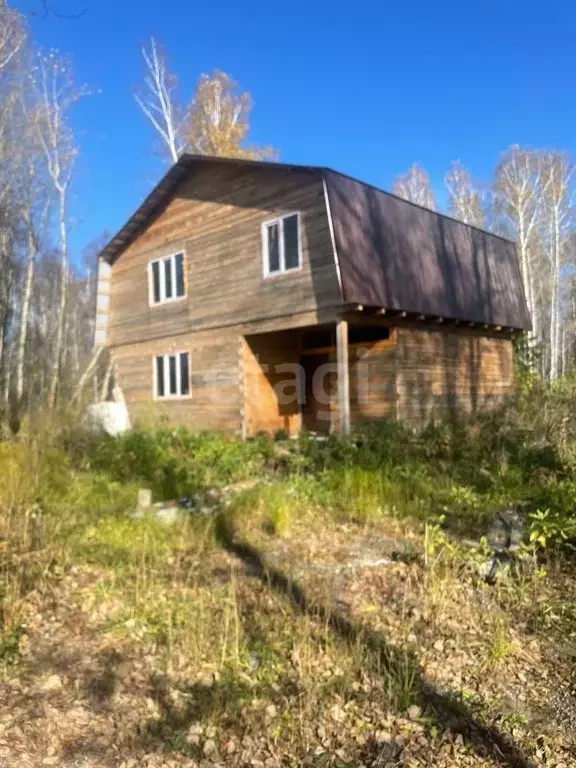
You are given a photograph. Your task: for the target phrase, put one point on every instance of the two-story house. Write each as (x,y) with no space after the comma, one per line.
(248,296)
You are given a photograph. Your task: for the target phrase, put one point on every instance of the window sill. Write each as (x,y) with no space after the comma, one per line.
(164,398)
(162,303)
(282,272)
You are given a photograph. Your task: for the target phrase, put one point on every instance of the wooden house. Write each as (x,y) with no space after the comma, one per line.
(252,296)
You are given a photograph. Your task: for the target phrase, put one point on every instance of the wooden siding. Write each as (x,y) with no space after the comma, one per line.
(215,401)
(441,373)
(372,371)
(415,375)
(215,218)
(373,380)
(233,320)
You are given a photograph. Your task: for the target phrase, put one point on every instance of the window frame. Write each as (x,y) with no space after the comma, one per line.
(160,260)
(279,220)
(166,372)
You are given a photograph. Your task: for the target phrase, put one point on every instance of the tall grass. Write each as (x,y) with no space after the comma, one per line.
(226,641)
(65,496)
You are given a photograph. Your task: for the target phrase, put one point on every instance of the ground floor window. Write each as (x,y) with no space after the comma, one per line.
(172,375)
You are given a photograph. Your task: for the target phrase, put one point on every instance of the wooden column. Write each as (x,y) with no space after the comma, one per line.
(343,376)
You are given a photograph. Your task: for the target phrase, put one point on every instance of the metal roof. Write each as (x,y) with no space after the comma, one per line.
(391,253)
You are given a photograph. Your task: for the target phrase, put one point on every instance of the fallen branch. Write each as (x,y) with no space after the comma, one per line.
(86,375)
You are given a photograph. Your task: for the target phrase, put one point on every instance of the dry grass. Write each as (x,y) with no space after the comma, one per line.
(305,623)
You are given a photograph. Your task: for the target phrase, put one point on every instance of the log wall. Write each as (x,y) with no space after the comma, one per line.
(373,377)
(246,383)
(215,400)
(215,219)
(441,373)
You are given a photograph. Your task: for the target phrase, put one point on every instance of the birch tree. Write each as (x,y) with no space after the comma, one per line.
(218,121)
(558,172)
(12,45)
(519,189)
(35,207)
(158,102)
(12,35)
(464,199)
(57,94)
(415,187)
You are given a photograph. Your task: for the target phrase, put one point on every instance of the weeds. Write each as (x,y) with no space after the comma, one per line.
(223,643)
(175,462)
(500,644)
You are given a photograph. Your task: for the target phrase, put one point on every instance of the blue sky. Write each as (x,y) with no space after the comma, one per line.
(367,88)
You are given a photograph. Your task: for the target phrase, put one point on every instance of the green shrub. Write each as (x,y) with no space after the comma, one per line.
(175,462)
(552,528)
(461,470)
(553,523)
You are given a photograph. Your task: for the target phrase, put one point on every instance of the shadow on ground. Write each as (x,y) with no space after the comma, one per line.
(448,711)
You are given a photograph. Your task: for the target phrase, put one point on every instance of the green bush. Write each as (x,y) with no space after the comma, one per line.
(462,471)
(176,462)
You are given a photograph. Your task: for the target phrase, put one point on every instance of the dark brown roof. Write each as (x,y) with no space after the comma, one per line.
(391,253)
(402,256)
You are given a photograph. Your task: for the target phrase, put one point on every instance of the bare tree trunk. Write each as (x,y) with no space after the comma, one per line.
(158,102)
(4,346)
(527,271)
(57,93)
(554,304)
(55,371)
(6,290)
(26,297)
(72,351)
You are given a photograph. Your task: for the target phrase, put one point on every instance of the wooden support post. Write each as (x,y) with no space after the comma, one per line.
(343,376)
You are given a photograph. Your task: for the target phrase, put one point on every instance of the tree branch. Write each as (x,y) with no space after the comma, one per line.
(49,10)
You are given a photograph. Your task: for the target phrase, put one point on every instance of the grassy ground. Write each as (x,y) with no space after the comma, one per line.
(329,611)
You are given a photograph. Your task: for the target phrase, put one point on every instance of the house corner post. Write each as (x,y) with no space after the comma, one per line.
(343,376)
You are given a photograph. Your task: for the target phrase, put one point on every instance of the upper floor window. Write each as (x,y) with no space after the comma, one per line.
(281,244)
(167,279)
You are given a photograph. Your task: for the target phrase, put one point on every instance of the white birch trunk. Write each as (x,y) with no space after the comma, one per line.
(554,303)
(57,354)
(26,297)
(158,101)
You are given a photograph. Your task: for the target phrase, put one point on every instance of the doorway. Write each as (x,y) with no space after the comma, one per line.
(320,391)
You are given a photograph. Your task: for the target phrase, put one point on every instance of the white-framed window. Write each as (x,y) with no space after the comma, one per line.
(172,375)
(166,279)
(281,244)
